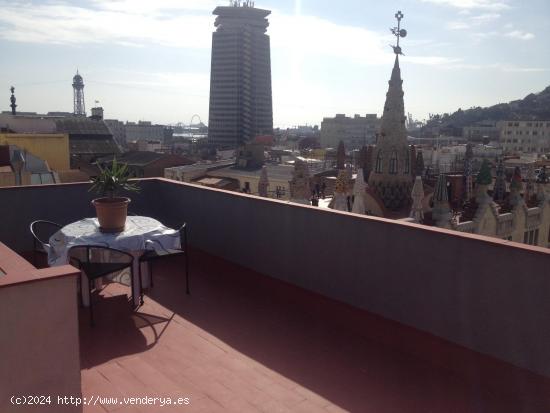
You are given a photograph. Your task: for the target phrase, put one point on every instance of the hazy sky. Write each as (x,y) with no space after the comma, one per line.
(150,60)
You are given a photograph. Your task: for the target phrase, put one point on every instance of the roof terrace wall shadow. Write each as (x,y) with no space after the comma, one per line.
(488,295)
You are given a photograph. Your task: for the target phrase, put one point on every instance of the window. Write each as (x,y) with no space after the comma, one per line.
(393,163)
(536,237)
(379,163)
(407,165)
(525,237)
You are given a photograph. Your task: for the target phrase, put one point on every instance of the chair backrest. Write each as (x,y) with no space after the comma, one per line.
(43,230)
(183,236)
(96,254)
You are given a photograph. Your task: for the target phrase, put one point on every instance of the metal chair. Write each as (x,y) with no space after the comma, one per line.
(42,231)
(157,251)
(97,261)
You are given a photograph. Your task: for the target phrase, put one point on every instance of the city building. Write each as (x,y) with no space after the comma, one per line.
(514,209)
(52,148)
(355,132)
(146,164)
(191,173)
(519,137)
(482,132)
(144,131)
(118,130)
(88,139)
(19,167)
(240,82)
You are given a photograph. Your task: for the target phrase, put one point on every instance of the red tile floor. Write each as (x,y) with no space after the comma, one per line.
(243,342)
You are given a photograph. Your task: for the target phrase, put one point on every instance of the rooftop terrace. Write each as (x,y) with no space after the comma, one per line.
(292,309)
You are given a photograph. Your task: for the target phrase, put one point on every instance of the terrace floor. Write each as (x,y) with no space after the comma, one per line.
(243,342)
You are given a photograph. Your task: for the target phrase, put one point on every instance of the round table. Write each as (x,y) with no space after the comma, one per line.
(135,239)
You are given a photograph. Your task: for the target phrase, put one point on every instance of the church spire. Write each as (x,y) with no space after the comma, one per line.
(468,173)
(499,191)
(417,210)
(516,186)
(359,193)
(391,178)
(441,212)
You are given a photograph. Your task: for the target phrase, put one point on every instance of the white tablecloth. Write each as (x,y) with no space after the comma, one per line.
(133,239)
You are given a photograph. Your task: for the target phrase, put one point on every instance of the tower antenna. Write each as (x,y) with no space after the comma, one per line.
(12,100)
(79,108)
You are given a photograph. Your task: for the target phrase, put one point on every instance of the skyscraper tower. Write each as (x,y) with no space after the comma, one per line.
(240,82)
(391,176)
(78,95)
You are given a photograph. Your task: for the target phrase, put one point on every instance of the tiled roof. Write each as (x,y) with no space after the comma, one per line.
(82,126)
(137,158)
(27,124)
(93,146)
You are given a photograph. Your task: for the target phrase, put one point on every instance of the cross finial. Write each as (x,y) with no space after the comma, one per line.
(398,32)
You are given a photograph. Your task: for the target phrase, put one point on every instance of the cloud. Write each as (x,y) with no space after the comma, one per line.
(190,81)
(157,6)
(472,4)
(61,23)
(521,35)
(502,67)
(458,25)
(184,24)
(514,34)
(485,18)
(473,21)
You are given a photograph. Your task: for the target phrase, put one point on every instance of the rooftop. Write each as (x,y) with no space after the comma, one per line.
(396,317)
(276,172)
(243,342)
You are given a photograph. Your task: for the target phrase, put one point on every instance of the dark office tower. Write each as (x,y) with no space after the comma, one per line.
(240,80)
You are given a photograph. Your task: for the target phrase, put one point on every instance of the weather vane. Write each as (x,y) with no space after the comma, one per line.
(399,33)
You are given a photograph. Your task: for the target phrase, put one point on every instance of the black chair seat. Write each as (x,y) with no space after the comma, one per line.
(159,251)
(152,254)
(95,270)
(97,261)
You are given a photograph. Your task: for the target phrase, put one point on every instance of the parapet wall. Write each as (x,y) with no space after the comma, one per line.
(488,295)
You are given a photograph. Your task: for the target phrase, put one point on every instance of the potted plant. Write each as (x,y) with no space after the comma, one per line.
(111,209)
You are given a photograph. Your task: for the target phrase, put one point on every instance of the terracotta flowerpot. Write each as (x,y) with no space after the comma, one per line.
(111,213)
